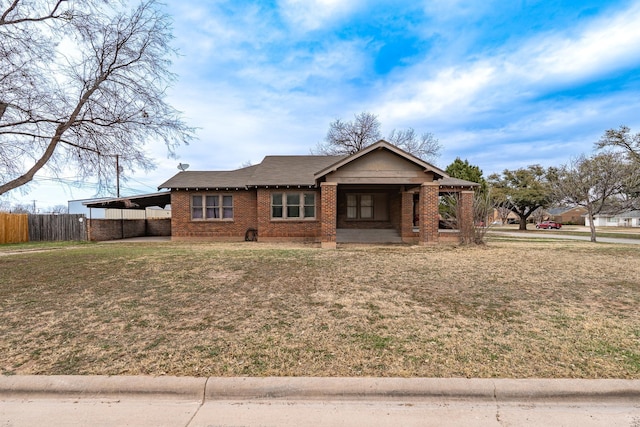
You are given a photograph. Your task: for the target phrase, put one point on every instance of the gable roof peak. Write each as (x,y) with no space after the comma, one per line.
(382,145)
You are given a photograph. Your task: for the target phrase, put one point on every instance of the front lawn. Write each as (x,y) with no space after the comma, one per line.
(510,309)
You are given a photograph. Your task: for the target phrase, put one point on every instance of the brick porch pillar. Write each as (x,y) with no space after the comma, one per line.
(429,192)
(466,213)
(406,221)
(328,206)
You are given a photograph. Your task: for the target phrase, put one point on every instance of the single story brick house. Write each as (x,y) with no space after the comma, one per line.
(380,189)
(567,215)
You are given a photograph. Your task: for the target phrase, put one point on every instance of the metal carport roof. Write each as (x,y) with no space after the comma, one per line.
(142,201)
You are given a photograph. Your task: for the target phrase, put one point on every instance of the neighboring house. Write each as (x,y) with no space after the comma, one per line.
(623,219)
(380,189)
(567,215)
(495,217)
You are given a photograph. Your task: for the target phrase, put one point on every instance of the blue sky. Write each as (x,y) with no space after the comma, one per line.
(503,84)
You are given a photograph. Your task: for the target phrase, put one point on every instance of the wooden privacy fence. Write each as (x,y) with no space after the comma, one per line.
(14,228)
(48,228)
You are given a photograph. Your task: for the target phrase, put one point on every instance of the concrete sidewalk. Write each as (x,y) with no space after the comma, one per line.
(295,401)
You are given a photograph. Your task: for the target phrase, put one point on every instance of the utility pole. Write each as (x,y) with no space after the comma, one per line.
(117,176)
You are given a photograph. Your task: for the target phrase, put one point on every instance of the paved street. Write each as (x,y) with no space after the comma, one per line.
(552,235)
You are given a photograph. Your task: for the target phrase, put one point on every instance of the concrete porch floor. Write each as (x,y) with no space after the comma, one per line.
(348,235)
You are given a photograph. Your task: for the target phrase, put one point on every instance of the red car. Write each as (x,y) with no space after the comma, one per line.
(549,225)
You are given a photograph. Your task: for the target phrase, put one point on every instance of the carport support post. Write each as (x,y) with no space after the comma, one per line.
(429,192)
(328,207)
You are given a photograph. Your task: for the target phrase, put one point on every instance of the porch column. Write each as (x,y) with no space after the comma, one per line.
(466,212)
(406,221)
(429,213)
(328,217)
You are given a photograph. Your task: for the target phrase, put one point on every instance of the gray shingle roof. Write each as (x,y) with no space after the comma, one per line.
(282,171)
(274,170)
(291,170)
(211,179)
(455,182)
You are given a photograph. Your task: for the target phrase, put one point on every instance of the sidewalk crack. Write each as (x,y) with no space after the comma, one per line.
(495,399)
(204,397)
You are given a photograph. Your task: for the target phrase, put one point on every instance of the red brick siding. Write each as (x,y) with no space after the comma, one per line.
(113,229)
(285,229)
(406,226)
(244,217)
(395,209)
(329,203)
(429,213)
(158,227)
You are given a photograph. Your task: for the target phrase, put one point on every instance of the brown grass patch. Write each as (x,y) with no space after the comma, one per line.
(510,309)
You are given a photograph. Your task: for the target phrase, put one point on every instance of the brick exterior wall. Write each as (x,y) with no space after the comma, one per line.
(158,227)
(329,204)
(252,209)
(429,193)
(184,228)
(112,229)
(395,210)
(286,229)
(406,230)
(466,208)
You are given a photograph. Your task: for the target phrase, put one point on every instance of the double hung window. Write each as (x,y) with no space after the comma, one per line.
(293,205)
(212,207)
(359,206)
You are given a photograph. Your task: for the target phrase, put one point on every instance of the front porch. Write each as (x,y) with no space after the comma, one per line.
(354,235)
(382,190)
(391,214)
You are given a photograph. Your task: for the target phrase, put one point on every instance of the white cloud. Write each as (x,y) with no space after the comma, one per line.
(308,15)
(504,78)
(451,88)
(606,44)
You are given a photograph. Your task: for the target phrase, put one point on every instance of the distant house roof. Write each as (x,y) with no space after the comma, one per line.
(302,171)
(626,214)
(562,210)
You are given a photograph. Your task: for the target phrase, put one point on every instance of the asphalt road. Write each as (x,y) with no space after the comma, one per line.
(555,235)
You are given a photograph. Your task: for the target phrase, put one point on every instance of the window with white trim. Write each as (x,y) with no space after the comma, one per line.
(293,205)
(212,207)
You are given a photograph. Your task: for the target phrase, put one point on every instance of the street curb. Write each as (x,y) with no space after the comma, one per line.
(479,389)
(317,388)
(347,388)
(94,386)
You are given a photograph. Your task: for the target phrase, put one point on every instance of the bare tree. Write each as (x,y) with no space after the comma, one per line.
(600,183)
(622,138)
(450,210)
(425,146)
(58,209)
(502,206)
(82,83)
(349,137)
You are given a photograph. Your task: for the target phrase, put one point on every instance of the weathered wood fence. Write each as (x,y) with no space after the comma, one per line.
(14,228)
(49,228)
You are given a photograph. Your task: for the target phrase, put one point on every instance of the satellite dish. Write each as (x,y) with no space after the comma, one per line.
(183,166)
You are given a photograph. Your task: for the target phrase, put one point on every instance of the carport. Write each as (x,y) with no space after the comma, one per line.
(106,229)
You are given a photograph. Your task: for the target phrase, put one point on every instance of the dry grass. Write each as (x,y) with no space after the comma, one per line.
(510,309)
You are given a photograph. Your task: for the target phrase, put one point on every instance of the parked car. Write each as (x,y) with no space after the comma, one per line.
(549,225)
